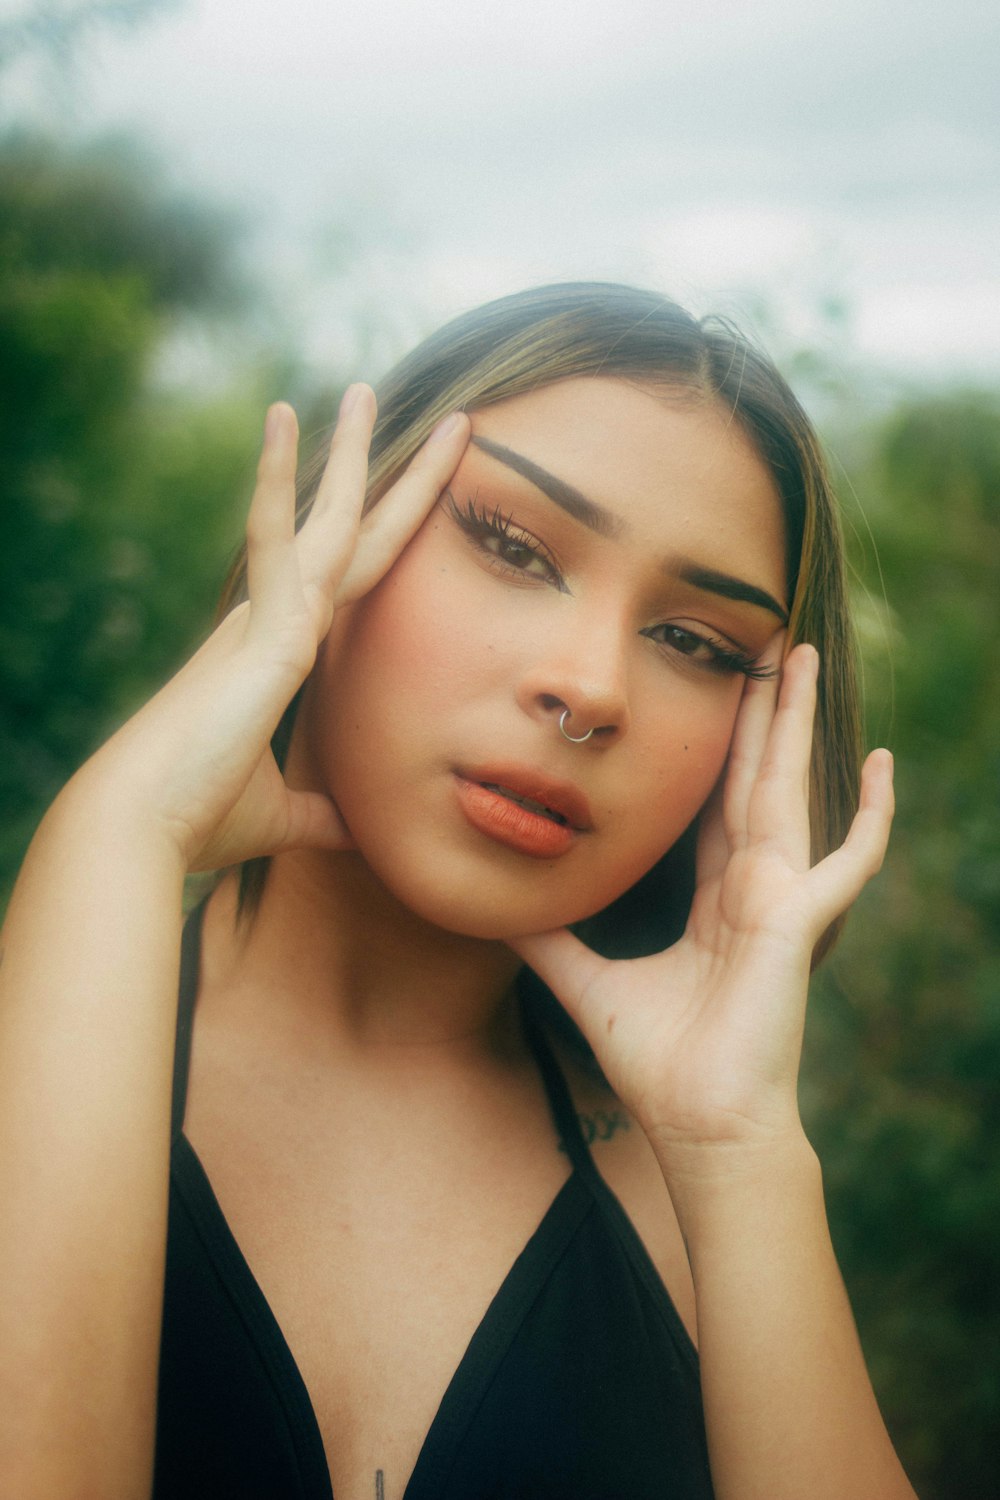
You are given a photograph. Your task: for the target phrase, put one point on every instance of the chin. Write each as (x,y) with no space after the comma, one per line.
(493,909)
(487,921)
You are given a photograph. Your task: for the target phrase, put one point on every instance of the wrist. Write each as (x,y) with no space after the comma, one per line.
(716,1185)
(99,816)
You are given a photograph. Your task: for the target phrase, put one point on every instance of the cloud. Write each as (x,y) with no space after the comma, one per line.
(533,138)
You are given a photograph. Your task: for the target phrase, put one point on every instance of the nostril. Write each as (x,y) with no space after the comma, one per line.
(574,739)
(595,715)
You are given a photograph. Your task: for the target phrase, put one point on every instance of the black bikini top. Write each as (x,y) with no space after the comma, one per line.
(580,1382)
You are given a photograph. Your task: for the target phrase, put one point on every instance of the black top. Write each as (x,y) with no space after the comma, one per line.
(580,1383)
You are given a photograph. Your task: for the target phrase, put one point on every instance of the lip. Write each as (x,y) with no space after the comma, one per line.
(560,797)
(481,796)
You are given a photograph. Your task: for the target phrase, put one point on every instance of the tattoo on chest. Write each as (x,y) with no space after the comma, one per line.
(601,1125)
(379,1485)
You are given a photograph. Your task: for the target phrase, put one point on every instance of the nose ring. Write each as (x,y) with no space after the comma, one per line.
(574,739)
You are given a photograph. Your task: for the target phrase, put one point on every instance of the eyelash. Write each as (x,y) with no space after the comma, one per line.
(725,658)
(484,526)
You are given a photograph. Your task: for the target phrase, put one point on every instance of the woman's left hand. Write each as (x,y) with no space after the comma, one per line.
(702,1042)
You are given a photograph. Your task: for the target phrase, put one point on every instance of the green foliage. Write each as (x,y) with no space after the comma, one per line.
(97,210)
(119,501)
(904,1044)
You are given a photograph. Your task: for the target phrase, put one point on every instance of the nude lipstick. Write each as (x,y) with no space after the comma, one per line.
(524,811)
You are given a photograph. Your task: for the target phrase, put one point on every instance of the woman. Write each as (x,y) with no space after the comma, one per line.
(563,671)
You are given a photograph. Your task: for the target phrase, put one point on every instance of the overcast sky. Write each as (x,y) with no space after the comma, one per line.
(452,152)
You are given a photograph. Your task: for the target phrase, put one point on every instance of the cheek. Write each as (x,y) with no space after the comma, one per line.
(678,759)
(413,635)
(691,752)
(392,662)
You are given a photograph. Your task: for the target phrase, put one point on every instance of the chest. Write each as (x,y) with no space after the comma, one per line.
(379,1238)
(578,1383)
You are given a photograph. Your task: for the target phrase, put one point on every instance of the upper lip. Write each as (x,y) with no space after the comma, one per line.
(559,796)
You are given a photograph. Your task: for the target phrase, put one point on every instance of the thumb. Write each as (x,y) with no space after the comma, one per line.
(567,966)
(313,822)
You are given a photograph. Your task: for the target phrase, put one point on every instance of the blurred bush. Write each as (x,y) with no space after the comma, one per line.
(903,1057)
(120,499)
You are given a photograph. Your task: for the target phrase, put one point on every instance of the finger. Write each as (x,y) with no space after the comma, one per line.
(310,821)
(328,535)
(566,965)
(712,850)
(314,823)
(341,490)
(271,521)
(746,752)
(839,879)
(778,811)
(399,514)
(749,742)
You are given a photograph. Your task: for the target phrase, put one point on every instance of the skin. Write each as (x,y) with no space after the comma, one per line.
(500,648)
(403,965)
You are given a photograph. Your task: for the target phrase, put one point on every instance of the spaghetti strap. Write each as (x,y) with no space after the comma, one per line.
(186,997)
(560,1101)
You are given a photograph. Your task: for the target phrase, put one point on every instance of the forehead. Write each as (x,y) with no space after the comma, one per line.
(670,464)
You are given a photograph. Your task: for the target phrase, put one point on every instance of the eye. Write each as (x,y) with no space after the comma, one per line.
(516,551)
(714,653)
(679,639)
(509,547)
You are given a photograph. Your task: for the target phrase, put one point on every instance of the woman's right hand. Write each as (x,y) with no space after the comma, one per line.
(196,760)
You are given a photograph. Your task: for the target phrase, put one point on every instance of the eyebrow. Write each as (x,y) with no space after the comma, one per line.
(564,495)
(594,516)
(729,587)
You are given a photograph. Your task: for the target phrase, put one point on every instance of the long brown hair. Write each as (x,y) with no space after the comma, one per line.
(522,342)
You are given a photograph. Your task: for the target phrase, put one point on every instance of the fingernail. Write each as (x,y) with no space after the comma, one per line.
(445,427)
(349,400)
(273,422)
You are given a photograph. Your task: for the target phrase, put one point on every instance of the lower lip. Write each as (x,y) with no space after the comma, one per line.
(509,823)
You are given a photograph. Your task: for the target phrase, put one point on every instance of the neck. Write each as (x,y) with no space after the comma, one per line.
(345,958)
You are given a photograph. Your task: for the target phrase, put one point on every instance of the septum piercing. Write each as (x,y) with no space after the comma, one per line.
(574,739)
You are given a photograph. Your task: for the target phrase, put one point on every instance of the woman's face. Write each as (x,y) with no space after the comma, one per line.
(607,550)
